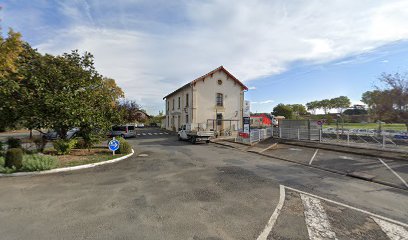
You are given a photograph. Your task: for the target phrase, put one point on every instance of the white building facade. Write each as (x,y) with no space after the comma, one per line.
(214,100)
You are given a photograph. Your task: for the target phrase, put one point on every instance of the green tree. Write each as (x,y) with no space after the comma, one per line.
(326,105)
(313,106)
(340,103)
(389,103)
(298,110)
(66,91)
(283,110)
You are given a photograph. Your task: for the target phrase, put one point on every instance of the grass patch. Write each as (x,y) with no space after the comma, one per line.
(391,126)
(84,156)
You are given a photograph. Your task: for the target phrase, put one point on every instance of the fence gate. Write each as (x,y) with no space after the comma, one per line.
(298,129)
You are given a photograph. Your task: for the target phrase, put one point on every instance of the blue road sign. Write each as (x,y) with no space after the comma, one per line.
(113,145)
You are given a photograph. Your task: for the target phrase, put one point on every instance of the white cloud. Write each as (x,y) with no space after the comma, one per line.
(252,39)
(252,88)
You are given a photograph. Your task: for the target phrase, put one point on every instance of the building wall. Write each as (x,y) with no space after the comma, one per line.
(177,115)
(202,105)
(205,94)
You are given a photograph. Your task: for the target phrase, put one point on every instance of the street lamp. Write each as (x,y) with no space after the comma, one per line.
(342,123)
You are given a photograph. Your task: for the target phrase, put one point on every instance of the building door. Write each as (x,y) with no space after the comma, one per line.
(220,127)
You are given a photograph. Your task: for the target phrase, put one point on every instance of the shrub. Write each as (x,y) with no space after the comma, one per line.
(124,147)
(40,143)
(14,158)
(37,162)
(1,148)
(14,143)
(64,146)
(80,144)
(2,161)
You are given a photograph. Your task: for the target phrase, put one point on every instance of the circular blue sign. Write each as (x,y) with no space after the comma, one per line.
(113,145)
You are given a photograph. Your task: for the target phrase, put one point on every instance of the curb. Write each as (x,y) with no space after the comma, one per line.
(67,169)
(324,169)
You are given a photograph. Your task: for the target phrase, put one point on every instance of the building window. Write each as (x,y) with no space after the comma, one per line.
(187,100)
(168,121)
(168,105)
(173,104)
(220,99)
(187,118)
(219,82)
(178,102)
(219,119)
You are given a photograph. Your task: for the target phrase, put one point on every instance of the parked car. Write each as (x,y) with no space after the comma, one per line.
(124,131)
(153,125)
(53,135)
(140,125)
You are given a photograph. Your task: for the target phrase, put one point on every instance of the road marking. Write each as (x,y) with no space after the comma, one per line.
(351,207)
(275,214)
(155,133)
(166,133)
(149,133)
(295,149)
(314,155)
(394,232)
(396,174)
(143,134)
(160,133)
(345,157)
(317,222)
(138,134)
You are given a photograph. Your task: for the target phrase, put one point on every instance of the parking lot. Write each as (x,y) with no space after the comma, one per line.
(172,189)
(384,170)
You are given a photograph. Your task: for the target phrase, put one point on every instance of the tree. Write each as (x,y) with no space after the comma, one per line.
(10,49)
(129,110)
(313,106)
(66,91)
(389,103)
(298,110)
(283,110)
(340,103)
(326,105)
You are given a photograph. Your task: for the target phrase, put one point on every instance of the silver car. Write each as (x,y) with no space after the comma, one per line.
(125,131)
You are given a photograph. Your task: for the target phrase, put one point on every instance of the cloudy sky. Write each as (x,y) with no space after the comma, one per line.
(284,51)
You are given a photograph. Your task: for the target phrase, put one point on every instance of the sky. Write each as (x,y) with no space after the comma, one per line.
(285,51)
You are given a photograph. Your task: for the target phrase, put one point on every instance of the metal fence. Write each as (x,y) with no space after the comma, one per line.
(255,135)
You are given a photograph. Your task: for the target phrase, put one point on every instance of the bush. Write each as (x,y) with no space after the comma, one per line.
(37,162)
(14,158)
(14,143)
(1,149)
(2,161)
(64,146)
(124,147)
(80,144)
(40,143)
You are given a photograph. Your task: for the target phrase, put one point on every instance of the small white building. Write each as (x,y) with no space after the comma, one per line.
(214,100)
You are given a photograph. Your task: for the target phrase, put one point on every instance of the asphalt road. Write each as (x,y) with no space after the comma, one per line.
(184,191)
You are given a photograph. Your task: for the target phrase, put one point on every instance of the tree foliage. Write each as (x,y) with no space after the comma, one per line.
(389,103)
(339,103)
(283,110)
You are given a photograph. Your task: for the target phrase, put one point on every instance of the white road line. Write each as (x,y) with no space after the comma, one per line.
(160,133)
(275,214)
(396,174)
(138,134)
(143,134)
(394,232)
(314,155)
(149,133)
(155,133)
(317,223)
(348,206)
(166,133)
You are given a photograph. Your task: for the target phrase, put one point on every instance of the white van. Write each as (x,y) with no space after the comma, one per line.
(125,131)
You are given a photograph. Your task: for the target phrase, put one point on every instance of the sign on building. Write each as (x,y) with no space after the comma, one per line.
(247,109)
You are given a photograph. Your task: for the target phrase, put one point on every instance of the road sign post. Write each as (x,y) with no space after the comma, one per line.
(113,145)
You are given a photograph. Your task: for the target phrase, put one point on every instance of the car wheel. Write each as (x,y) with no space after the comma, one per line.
(179,138)
(208,141)
(193,140)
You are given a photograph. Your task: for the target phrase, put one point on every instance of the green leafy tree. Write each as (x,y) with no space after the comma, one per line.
(283,110)
(326,105)
(340,103)
(298,110)
(389,103)
(313,106)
